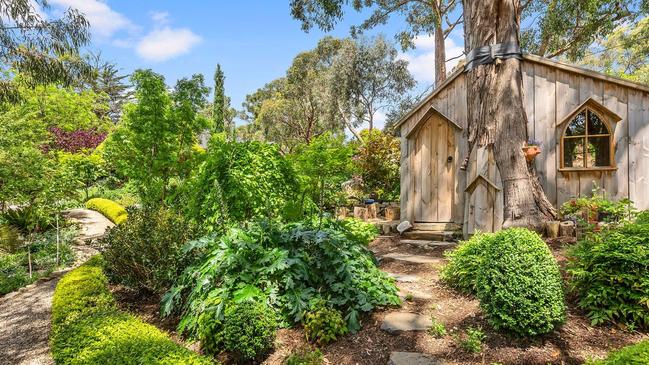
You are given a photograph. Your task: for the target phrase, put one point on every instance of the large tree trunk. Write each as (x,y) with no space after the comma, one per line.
(440,54)
(496,117)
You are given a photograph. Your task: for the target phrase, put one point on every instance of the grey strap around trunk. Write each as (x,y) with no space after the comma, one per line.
(488,54)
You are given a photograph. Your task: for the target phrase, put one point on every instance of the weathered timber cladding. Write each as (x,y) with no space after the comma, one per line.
(551,91)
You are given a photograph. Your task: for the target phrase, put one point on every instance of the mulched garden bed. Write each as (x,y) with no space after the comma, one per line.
(573,343)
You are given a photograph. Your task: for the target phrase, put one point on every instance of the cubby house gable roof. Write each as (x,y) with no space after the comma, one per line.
(533,59)
(594,105)
(430,112)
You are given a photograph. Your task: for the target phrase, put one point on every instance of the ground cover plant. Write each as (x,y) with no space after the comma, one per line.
(111,210)
(637,354)
(292,267)
(15,258)
(144,251)
(608,272)
(87,328)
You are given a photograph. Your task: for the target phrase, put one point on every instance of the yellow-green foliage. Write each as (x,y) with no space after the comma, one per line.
(87,328)
(113,211)
(637,354)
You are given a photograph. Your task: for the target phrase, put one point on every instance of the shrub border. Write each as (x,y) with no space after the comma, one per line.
(113,211)
(87,326)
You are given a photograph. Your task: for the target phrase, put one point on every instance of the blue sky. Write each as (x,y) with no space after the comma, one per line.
(254,40)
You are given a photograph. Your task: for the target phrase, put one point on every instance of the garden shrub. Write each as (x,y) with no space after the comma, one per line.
(519,284)
(643,217)
(111,210)
(249,329)
(323,325)
(608,271)
(305,356)
(13,273)
(88,329)
(14,264)
(292,265)
(358,230)
(637,354)
(377,162)
(464,262)
(323,166)
(239,181)
(144,252)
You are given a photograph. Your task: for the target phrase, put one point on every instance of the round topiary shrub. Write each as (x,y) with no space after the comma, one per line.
(609,273)
(462,269)
(324,325)
(249,330)
(519,284)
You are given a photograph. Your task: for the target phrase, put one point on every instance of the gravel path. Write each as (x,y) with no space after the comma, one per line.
(25,313)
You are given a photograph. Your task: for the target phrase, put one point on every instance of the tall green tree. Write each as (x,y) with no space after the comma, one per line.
(107,80)
(430,17)
(151,145)
(624,53)
(366,78)
(550,28)
(44,50)
(219,106)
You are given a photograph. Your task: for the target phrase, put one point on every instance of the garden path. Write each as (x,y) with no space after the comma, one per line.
(25,313)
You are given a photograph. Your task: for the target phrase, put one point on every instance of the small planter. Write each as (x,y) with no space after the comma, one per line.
(531,152)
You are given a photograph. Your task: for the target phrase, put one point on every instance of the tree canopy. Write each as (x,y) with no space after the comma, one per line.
(44,51)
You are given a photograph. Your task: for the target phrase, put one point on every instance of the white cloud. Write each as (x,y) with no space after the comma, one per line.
(165,43)
(160,17)
(104,21)
(421,60)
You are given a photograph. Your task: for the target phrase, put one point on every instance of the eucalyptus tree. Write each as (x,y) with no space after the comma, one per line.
(624,53)
(367,77)
(431,17)
(44,50)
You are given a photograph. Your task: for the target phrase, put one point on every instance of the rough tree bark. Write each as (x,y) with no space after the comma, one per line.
(496,116)
(440,55)
(440,47)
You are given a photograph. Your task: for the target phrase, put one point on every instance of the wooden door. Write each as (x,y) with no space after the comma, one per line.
(433,169)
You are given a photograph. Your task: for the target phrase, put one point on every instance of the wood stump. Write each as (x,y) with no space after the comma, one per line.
(567,229)
(552,229)
(360,213)
(392,213)
(342,212)
(372,210)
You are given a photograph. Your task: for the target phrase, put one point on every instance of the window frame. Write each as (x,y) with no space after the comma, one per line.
(611,137)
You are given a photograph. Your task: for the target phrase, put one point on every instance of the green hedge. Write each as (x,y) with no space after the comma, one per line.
(87,327)
(113,211)
(637,354)
(519,284)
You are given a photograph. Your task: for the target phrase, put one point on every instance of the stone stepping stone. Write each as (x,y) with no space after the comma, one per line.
(412,358)
(397,322)
(404,278)
(414,295)
(416,259)
(429,245)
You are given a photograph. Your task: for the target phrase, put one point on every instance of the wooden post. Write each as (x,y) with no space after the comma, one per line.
(392,213)
(342,212)
(567,229)
(360,213)
(552,229)
(372,210)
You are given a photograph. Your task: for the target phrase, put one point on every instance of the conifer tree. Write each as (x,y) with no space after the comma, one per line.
(219,107)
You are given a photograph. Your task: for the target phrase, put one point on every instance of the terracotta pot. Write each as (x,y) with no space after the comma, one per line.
(531,152)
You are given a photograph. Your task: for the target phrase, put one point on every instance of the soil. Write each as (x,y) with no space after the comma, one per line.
(574,343)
